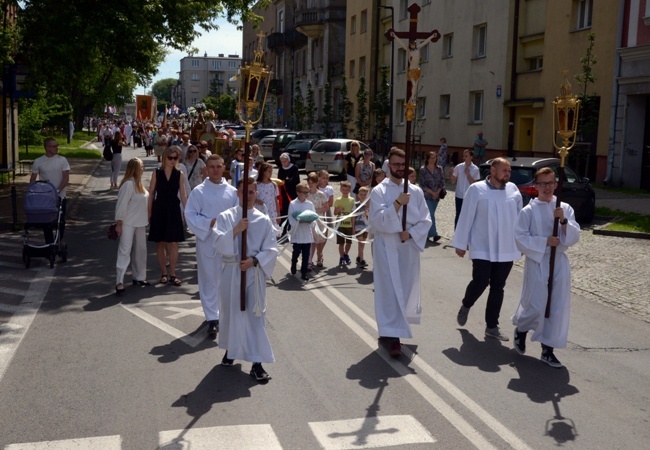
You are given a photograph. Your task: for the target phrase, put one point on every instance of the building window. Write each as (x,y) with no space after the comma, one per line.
(533,64)
(445,104)
(476,100)
(362,66)
(424,54)
(364,20)
(480,40)
(399,113)
(585,8)
(353,24)
(353,68)
(421,108)
(403,9)
(401,60)
(232,64)
(281,21)
(195,76)
(196,63)
(195,100)
(447,45)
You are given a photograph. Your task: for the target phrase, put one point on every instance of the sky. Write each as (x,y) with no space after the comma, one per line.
(227,40)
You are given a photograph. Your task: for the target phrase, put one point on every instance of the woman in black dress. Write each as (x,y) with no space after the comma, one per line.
(166,224)
(288,173)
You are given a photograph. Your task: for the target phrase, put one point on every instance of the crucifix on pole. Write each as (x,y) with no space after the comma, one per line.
(412,49)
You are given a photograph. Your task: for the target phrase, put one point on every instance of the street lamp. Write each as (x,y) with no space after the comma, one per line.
(392,71)
(253,87)
(565,125)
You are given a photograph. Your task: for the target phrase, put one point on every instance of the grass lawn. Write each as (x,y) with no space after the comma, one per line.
(71,150)
(627,221)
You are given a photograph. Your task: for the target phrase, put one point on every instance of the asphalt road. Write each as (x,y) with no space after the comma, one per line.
(79,365)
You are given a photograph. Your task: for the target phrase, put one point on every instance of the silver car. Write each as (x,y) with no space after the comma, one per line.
(329,154)
(266,146)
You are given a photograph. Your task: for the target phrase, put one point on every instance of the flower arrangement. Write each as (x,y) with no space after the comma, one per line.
(192,111)
(200,107)
(210,115)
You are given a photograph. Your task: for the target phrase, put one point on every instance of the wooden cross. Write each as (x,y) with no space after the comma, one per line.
(412,77)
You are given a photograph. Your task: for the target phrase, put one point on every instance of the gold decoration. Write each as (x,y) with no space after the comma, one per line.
(565,119)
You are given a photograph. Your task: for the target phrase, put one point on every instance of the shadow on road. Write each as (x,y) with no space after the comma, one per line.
(488,355)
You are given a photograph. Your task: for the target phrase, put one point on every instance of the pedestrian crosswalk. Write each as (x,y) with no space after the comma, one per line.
(360,433)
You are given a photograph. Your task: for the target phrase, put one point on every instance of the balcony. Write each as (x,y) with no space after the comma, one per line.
(311,21)
(291,38)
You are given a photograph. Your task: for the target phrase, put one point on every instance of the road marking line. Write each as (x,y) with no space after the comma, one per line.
(175,333)
(447,411)
(20,266)
(240,437)
(11,277)
(366,432)
(91,443)
(23,318)
(10,291)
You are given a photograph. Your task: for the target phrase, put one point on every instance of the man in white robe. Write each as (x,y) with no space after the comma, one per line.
(243,333)
(486,226)
(128,131)
(534,237)
(396,253)
(206,202)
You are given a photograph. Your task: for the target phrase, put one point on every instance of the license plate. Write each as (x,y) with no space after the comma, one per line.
(320,166)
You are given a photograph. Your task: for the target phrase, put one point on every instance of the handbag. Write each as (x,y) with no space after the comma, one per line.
(108,153)
(442,194)
(112,232)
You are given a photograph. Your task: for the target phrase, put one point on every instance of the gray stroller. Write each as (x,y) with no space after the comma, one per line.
(43,211)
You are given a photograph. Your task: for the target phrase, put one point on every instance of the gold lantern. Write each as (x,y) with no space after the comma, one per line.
(565,119)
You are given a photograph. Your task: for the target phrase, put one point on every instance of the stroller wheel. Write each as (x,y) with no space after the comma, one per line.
(26,258)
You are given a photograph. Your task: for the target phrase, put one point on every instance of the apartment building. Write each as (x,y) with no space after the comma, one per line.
(198,75)
(628,162)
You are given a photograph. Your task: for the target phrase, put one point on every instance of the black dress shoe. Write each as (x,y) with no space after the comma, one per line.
(119,291)
(304,277)
(436,238)
(293,270)
(213,328)
(141,283)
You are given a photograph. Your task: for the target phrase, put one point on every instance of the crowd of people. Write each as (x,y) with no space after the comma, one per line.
(490,223)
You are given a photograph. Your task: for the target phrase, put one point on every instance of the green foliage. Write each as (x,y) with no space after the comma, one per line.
(45,111)
(361,121)
(328,110)
(310,117)
(299,108)
(345,108)
(8,40)
(162,90)
(382,102)
(588,119)
(625,221)
(224,106)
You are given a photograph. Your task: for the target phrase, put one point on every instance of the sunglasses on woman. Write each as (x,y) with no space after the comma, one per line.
(172,158)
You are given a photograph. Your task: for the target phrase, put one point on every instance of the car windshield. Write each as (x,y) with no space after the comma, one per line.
(286,137)
(295,145)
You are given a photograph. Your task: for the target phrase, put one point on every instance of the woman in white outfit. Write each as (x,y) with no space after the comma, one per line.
(131,216)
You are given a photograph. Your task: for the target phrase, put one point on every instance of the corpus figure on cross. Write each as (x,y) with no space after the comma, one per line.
(413,69)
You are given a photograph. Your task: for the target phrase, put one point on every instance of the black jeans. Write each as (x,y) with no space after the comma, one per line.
(459,206)
(300,249)
(486,273)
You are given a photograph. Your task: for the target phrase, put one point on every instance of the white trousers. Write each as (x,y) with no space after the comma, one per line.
(209,277)
(132,249)
(116,165)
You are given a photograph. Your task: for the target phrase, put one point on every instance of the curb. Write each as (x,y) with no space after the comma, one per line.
(600,230)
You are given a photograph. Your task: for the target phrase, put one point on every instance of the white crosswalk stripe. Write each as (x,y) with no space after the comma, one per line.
(92,443)
(240,437)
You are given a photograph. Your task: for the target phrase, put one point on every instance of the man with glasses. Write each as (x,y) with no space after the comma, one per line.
(54,168)
(396,253)
(534,237)
(486,226)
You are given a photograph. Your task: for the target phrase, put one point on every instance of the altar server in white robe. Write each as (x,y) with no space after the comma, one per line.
(206,202)
(534,236)
(396,253)
(486,225)
(243,333)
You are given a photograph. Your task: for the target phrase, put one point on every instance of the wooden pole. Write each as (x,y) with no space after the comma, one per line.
(556,226)
(244,214)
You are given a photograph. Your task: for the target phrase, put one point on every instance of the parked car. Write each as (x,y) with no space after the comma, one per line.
(298,150)
(284,137)
(329,154)
(258,135)
(266,146)
(576,190)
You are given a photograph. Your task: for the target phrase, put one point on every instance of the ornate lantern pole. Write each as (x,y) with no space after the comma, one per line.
(253,87)
(565,126)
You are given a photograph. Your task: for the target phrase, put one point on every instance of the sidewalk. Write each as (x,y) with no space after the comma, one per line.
(638,203)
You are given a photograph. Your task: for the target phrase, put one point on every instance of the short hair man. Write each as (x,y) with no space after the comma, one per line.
(480,146)
(534,237)
(206,202)
(396,253)
(243,333)
(462,176)
(54,168)
(486,225)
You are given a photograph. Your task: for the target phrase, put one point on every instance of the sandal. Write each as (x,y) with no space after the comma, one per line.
(164,279)
(175,281)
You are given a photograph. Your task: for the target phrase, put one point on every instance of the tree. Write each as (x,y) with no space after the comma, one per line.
(311,107)
(299,108)
(382,103)
(362,109)
(84,52)
(328,110)
(162,90)
(345,108)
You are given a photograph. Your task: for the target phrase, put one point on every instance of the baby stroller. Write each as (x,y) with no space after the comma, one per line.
(43,211)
